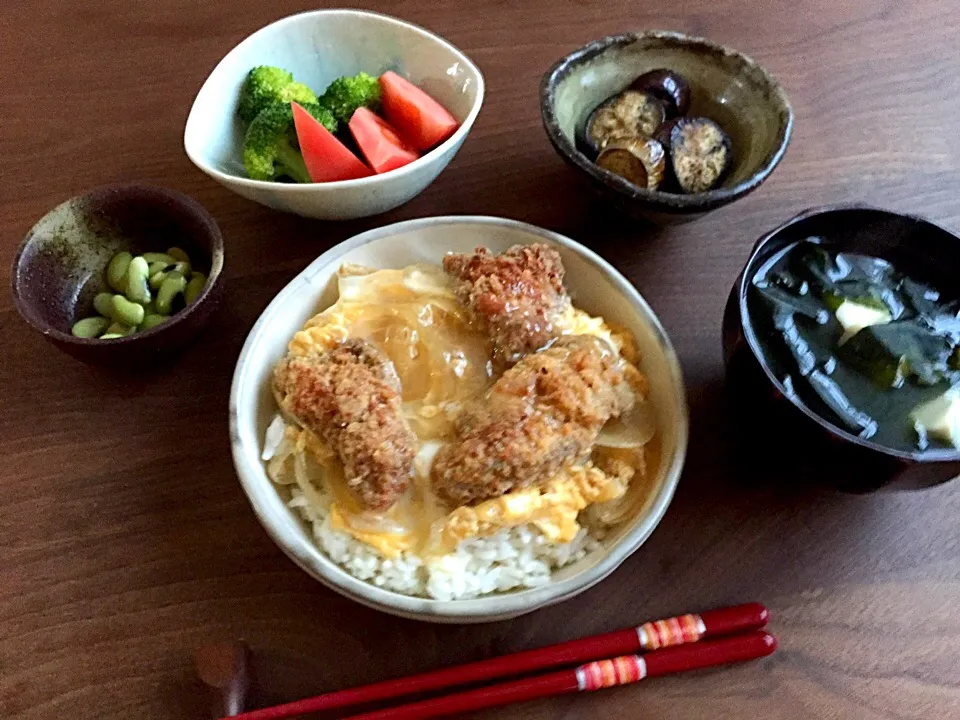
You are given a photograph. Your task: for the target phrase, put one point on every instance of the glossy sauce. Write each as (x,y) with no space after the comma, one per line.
(442,361)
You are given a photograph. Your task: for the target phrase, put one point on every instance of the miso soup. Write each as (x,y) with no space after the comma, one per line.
(866,347)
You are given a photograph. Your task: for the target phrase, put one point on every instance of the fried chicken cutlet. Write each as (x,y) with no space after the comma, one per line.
(351,398)
(515,297)
(543,413)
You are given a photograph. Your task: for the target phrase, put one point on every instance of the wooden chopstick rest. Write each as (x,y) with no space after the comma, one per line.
(225,667)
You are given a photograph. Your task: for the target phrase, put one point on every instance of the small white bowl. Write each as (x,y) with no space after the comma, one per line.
(318,47)
(594,286)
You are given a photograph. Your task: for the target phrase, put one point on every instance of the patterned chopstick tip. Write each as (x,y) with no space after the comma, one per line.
(672,631)
(608,673)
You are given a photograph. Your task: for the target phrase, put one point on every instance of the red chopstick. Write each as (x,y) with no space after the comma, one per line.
(646,637)
(596,675)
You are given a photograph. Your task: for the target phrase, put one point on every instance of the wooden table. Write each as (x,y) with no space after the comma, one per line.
(125,540)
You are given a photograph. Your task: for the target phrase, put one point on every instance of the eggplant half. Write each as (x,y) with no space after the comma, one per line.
(700,153)
(669,87)
(630,114)
(640,161)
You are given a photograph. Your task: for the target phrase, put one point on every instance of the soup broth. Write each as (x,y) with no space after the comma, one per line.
(856,340)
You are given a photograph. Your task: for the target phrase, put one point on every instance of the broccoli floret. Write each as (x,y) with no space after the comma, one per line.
(266,85)
(270,149)
(344,95)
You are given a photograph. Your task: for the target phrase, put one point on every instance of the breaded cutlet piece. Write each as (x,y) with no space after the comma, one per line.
(516,297)
(350,396)
(543,413)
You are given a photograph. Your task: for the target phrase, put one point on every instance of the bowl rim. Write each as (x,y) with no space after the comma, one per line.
(742,287)
(294,188)
(485,608)
(176,197)
(664,201)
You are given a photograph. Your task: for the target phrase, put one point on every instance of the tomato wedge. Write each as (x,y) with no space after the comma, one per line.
(420,120)
(327,159)
(379,142)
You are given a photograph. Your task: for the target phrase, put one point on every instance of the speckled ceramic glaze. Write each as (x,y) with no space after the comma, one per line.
(60,267)
(593,284)
(778,430)
(726,86)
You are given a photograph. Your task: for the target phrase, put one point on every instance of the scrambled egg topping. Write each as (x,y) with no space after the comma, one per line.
(388,544)
(574,321)
(553,509)
(397,308)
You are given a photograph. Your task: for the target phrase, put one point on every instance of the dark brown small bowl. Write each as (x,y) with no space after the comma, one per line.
(726,86)
(60,267)
(784,436)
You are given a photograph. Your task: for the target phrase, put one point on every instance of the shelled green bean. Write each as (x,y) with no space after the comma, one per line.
(150,288)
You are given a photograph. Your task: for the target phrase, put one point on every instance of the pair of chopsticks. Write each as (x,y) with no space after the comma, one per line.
(673,645)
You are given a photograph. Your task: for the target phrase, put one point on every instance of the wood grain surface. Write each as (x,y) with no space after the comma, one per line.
(125,540)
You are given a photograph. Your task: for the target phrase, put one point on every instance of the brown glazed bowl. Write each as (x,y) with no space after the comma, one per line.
(783,437)
(726,86)
(60,266)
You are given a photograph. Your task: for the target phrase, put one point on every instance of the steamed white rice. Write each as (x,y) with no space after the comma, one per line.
(514,558)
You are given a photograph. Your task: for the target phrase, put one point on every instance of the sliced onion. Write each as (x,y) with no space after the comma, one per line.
(427,280)
(278,466)
(423,462)
(308,485)
(355,288)
(273,437)
(350,269)
(612,512)
(631,430)
(374,523)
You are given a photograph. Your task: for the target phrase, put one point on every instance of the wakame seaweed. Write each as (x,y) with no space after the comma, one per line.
(864,379)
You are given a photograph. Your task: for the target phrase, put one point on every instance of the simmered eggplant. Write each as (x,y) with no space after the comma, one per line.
(668,87)
(690,154)
(700,153)
(662,136)
(665,131)
(630,114)
(640,161)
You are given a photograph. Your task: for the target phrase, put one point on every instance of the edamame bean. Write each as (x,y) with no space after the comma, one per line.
(178,254)
(194,287)
(137,274)
(150,308)
(117,270)
(165,258)
(119,329)
(156,267)
(156,280)
(183,268)
(126,312)
(151,321)
(90,327)
(174,284)
(103,304)
(111,336)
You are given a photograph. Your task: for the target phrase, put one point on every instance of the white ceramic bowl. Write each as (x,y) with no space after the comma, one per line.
(594,286)
(318,47)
